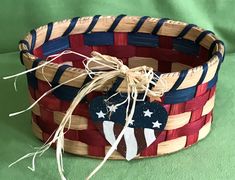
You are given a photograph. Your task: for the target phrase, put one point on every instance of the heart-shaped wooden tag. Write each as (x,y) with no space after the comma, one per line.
(148,121)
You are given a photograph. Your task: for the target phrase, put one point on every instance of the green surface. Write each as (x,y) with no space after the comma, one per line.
(213,158)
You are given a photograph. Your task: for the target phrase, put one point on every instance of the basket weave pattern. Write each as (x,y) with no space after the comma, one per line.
(186,56)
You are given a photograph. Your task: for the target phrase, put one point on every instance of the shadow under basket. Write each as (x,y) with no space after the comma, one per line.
(187,57)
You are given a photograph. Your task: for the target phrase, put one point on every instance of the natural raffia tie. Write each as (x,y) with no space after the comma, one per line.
(103,68)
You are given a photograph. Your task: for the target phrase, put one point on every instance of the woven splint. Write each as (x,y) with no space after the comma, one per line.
(187,57)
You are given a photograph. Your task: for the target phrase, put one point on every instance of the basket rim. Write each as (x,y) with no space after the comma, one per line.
(213,63)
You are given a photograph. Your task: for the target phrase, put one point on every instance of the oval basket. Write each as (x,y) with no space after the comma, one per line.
(187,57)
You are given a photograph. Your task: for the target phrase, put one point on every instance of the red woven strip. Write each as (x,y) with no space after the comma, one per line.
(77,44)
(203,54)
(191,139)
(122,51)
(201,89)
(43,87)
(76,41)
(82,110)
(38,52)
(49,101)
(47,116)
(197,102)
(177,108)
(120,39)
(164,67)
(145,51)
(196,114)
(96,151)
(58,60)
(164,43)
(152,149)
(208,117)
(100,49)
(201,97)
(212,91)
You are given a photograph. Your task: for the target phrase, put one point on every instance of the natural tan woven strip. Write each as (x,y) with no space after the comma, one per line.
(77,123)
(171,145)
(204,131)
(191,79)
(208,106)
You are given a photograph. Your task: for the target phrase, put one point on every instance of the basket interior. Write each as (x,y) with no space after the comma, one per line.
(163,53)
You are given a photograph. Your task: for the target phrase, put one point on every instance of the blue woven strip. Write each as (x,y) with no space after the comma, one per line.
(205,68)
(181,78)
(71,26)
(25,43)
(59,73)
(212,82)
(187,94)
(34,34)
(116,22)
(87,80)
(93,23)
(159,25)
(219,55)
(202,35)
(211,49)
(31,78)
(49,30)
(99,38)
(115,86)
(139,24)
(186,46)
(143,39)
(179,96)
(55,45)
(35,64)
(186,30)
(21,56)
(64,92)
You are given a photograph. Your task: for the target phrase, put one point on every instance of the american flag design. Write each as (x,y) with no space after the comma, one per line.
(148,121)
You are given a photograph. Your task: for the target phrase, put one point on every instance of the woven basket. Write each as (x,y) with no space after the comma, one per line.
(187,57)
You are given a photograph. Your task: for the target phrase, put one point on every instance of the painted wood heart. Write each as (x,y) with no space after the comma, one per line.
(148,121)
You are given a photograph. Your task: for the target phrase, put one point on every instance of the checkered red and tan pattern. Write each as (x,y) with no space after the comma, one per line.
(186,56)
(193,123)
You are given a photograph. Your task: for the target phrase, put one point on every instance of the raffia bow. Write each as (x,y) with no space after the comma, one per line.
(101,68)
(141,77)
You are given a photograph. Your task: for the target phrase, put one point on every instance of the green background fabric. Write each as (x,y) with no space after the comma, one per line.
(212,158)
